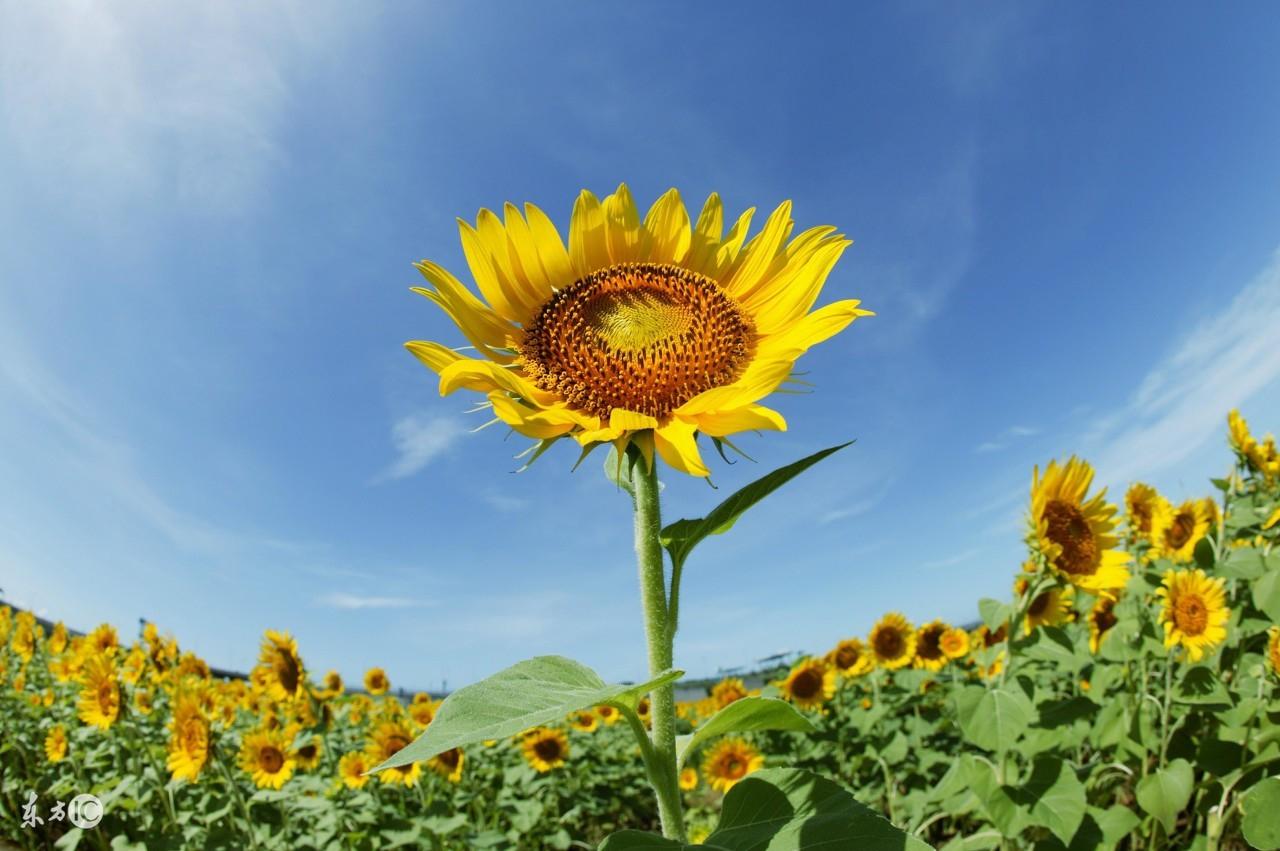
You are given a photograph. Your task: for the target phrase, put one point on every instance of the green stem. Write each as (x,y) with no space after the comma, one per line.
(660,637)
(1164,713)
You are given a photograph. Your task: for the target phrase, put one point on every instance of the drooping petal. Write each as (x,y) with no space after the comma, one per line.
(814,328)
(748,418)
(677,446)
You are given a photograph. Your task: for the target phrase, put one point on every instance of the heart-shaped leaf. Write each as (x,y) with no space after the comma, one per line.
(741,716)
(993,719)
(1167,792)
(1261,808)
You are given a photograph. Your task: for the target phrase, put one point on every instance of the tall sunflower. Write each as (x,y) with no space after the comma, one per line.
(1176,531)
(448,764)
(188,739)
(929,653)
(99,701)
(688,778)
(1194,611)
(728,690)
(1051,607)
(648,331)
(388,739)
(1102,618)
(545,748)
(264,756)
(850,658)
(730,761)
(55,743)
(809,684)
(892,642)
(376,682)
(283,675)
(309,753)
(353,769)
(1140,503)
(1075,533)
(954,643)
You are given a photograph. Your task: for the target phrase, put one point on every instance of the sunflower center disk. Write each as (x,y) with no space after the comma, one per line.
(1191,615)
(643,337)
(1069,529)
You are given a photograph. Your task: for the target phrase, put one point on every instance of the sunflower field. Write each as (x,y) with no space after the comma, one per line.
(1125,696)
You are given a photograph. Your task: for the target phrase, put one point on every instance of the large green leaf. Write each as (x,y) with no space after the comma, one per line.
(682,536)
(529,693)
(993,719)
(638,840)
(1244,563)
(1167,792)
(1054,795)
(1050,644)
(1261,809)
(1266,594)
(995,614)
(1200,685)
(743,715)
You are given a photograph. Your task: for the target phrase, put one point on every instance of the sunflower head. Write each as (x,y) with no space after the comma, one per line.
(282,674)
(545,748)
(1194,612)
(1140,503)
(1175,531)
(448,764)
(388,739)
(308,754)
(264,756)
(332,685)
(728,690)
(423,712)
(850,658)
(929,653)
(1073,532)
(584,721)
(809,684)
(954,643)
(55,743)
(99,701)
(639,330)
(188,738)
(376,682)
(892,642)
(1102,618)
(1051,607)
(688,778)
(608,714)
(353,769)
(729,761)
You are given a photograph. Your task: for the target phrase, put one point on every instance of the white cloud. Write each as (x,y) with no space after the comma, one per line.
(418,439)
(338,600)
(858,507)
(951,561)
(1225,360)
(1005,438)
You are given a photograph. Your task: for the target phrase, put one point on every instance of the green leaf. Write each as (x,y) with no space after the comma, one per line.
(617,469)
(1054,795)
(1052,644)
(1243,563)
(993,719)
(1008,816)
(1116,822)
(995,614)
(1261,809)
(1266,594)
(1166,793)
(536,691)
(788,809)
(1204,553)
(744,715)
(1200,686)
(638,840)
(682,536)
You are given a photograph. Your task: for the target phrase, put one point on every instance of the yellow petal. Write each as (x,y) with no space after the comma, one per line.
(588,244)
(762,252)
(761,378)
(551,250)
(749,418)
(790,303)
(434,355)
(484,377)
(627,240)
(676,444)
(630,421)
(727,253)
(822,324)
(668,227)
(706,237)
(521,294)
(519,417)
(485,275)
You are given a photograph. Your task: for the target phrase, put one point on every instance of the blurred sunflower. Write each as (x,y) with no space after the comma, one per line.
(376,682)
(309,753)
(353,769)
(448,764)
(55,743)
(728,690)
(332,685)
(264,756)
(584,721)
(688,778)
(1102,617)
(730,761)
(99,701)
(1194,613)
(809,684)
(1273,649)
(954,643)
(1076,534)
(850,658)
(386,740)
(929,655)
(644,709)
(58,638)
(103,640)
(188,739)
(983,637)
(545,748)
(423,712)
(1258,457)
(1140,503)
(1176,531)
(282,673)
(1051,607)
(607,713)
(647,331)
(143,701)
(892,642)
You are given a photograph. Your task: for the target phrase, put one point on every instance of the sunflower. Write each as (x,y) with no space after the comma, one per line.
(264,756)
(58,638)
(584,721)
(1076,534)
(423,712)
(1259,457)
(545,748)
(892,642)
(282,673)
(929,654)
(730,761)
(1195,611)
(1051,607)
(647,331)
(143,701)
(188,739)
(1102,617)
(99,702)
(983,637)
(376,682)
(608,714)
(332,686)
(23,642)
(309,753)
(1140,503)
(1273,649)
(728,690)
(644,709)
(1176,531)
(103,640)
(688,778)
(810,683)
(388,739)
(353,769)
(850,658)
(448,764)
(954,643)
(55,743)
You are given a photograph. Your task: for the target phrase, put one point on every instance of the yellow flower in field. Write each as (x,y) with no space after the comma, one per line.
(1273,649)
(892,642)
(698,834)
(134,664)
(449,764)
(584,721)
(423,712)
(810,684)
(954,643)
(352,769)
(688,779)
(55,743)
(388,739)
(1140,503)
(645,331)
(99,702)
(23,642)
(358,708)
(730,761)
(188,739)
(264,756)
(850,658)
(1075,533)
(983,637)
(608,714)
(376,682)
(1272,520)
(332,686)
(421,697)
(309,753)
(103,640)
(1102,617)
(1194,613)
(6,623)
(58,638)
(20,681)
(644,709)
(993,670)
(283,675)
(1051,607)
(929,654)
(143,701)
(1176,531)
(1259,457)
(545,748)
(728,690)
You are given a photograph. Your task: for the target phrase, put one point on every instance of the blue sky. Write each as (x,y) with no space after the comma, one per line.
(1065,217)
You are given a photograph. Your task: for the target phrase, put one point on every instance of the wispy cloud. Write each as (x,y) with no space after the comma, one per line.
(857,507)
(418,439)
(1005,438)
(338,600)
(951,561)
(1226,359)
(502,502)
